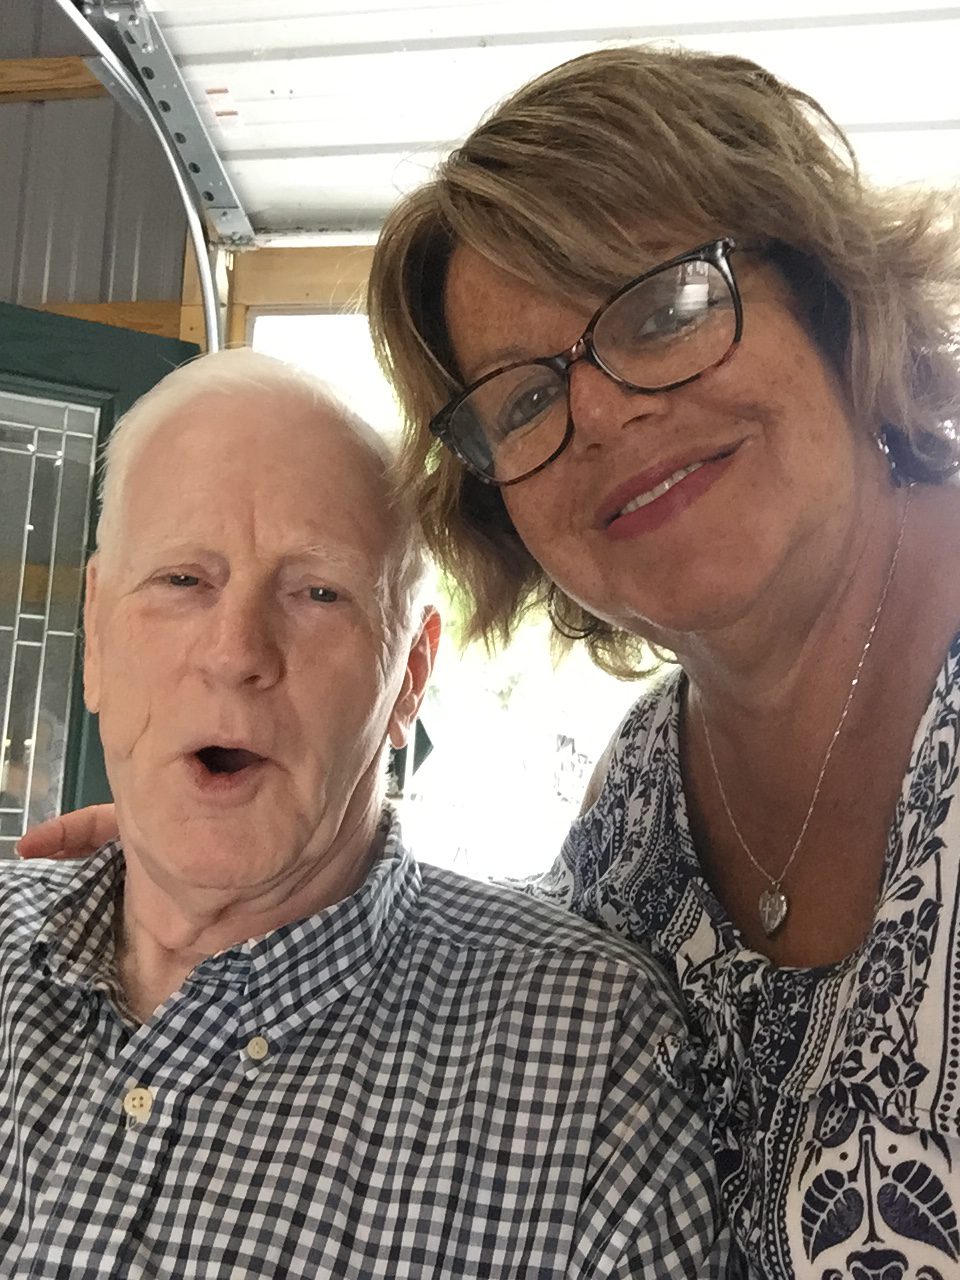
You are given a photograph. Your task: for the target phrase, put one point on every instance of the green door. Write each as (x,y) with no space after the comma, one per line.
(63,384)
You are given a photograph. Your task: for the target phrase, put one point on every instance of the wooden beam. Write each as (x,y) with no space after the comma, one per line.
(319,279)
(237,320)
(161,318)
(192,326)
(190,294)
(43,79)
(324,279)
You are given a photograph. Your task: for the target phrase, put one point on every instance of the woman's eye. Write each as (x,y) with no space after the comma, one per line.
(688,309)
(182,580)
(669,321)
(323,595)
(527,406)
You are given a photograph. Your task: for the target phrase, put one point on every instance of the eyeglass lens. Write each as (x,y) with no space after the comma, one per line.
(670,327)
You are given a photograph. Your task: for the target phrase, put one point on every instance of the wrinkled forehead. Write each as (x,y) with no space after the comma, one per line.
(280,458)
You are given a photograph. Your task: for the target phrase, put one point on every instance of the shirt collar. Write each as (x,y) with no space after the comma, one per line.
(298,970)
(75,944)
(286,976)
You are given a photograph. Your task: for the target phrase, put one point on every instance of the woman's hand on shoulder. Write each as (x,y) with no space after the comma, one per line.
(74,835)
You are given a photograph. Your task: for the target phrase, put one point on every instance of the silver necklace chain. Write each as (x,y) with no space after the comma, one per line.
(774,904)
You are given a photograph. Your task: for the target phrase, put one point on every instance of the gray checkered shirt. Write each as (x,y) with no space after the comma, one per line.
(432,1078)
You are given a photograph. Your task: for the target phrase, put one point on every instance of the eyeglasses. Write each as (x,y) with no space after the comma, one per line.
(659,332)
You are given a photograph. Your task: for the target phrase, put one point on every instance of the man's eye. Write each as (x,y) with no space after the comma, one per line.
(323,595)
(182,580)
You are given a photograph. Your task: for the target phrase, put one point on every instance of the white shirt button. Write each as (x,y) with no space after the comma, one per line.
(137,1103)
(257,1049)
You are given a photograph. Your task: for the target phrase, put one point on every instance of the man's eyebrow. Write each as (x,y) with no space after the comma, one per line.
(329,557)
(154,551)
(333,556)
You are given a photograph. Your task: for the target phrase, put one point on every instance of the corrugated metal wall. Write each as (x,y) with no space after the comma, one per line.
(88,209)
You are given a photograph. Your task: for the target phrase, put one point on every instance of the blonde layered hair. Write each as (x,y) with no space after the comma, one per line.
(564,184)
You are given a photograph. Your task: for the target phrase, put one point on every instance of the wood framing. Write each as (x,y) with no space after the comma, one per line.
(43,79)
(322,279)
(160,318)
(307,279)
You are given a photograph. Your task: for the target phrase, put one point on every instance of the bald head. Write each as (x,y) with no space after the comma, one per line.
(203,397)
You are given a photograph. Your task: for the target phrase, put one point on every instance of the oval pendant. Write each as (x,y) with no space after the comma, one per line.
(773,910)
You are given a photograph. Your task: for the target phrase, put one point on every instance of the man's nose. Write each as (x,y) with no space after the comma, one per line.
(242,645)
(603,408)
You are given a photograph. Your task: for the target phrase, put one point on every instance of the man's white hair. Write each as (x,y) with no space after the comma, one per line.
(241,370)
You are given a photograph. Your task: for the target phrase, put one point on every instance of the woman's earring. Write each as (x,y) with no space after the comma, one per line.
(883,441)
(570,629)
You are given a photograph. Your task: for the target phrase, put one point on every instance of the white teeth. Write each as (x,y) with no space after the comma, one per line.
(644,499)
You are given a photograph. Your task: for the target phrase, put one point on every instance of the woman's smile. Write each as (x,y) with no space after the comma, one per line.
(647,502)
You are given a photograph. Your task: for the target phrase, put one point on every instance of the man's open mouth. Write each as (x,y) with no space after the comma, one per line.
(218,760)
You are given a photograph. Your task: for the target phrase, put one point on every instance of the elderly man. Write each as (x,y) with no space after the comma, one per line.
(253,1037)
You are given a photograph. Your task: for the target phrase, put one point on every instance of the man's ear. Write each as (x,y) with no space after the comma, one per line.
(420,660)
(91,648)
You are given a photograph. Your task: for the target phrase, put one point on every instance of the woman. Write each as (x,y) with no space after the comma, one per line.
(742,455)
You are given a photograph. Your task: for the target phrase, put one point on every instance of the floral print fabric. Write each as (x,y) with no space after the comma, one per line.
(833,1093)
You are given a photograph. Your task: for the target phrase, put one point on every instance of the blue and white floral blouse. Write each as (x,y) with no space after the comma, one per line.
(834,1093)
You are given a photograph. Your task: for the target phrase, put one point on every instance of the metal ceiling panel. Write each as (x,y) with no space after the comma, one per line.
(366,98)
(244,25)
(325,113)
